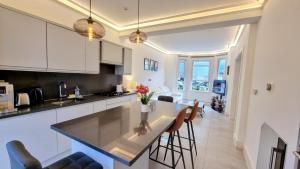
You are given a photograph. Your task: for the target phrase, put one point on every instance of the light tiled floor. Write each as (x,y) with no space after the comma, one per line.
(215,146)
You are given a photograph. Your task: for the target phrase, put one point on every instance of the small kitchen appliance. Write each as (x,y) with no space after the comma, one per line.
(29,96)
(22,99)
(6,97)
(119,88)
(36,96)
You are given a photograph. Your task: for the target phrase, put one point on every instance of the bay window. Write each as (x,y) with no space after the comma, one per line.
(221,68)
(181,74)
(200,75)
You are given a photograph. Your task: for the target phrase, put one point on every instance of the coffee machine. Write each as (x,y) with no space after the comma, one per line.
(6,97)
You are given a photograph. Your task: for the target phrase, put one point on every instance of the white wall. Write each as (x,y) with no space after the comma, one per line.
(171,66)
(277,61)
(146,77)
(237,108)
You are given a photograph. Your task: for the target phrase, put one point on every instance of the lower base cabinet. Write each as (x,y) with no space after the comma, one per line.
(34,131)
(69,113)
(115,102)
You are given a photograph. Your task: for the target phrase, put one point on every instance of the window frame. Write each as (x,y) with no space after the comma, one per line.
(210,60)
(218,66)
(177,74)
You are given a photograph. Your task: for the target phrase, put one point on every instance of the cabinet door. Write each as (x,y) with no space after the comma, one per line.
(99,106)
(111,53)
(127,61)
(126,68)
(22,42)
(133,98)
(34,131)
(69,113)
(92,56)
(66,50)
(115,102)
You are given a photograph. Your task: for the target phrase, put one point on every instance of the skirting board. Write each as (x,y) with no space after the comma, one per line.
(238,144)
(247,158)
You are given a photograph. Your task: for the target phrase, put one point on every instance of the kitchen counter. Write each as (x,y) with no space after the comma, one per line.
(49,106)
(122,134)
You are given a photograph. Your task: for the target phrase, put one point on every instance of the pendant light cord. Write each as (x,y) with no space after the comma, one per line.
(138,14)
(90,8)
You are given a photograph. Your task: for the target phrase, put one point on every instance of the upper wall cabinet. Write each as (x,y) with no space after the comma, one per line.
(92,56)
(111,53)
(22,42)
(126,68)
(66,50)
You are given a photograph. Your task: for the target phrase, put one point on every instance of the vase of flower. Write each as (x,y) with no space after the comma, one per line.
(145,108)
(145,96)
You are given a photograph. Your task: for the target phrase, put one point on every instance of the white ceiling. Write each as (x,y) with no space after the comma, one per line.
(199,41)
(113,10)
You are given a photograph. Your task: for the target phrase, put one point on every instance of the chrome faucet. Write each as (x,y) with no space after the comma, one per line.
(62,90)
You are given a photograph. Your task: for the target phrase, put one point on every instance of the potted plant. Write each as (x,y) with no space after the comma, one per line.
(145,96)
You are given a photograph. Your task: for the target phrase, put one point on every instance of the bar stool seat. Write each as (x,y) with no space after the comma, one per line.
(20,158)
(76,161)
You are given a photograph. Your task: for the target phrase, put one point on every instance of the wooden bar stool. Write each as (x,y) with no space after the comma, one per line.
(172,130)
(191,136)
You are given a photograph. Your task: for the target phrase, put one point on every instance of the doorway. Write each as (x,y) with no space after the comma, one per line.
(236,85)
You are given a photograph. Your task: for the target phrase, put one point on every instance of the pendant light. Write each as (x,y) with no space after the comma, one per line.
(138,36)
(89,27)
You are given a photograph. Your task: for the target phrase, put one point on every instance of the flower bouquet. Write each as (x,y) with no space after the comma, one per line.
(145,96)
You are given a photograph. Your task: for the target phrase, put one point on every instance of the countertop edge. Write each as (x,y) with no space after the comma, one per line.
(47,107)
(56,128)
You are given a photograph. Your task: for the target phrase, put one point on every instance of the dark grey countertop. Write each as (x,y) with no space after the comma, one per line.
(49,106)
(122,133)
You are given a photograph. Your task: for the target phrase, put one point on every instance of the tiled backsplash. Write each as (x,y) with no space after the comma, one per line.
(88,83)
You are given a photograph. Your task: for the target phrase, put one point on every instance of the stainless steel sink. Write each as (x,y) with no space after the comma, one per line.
(61,102)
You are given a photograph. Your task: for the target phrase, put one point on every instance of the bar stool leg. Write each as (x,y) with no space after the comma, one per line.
(158,146)
(190,143)
(194,137)
(167,146)
(181,151)
(172,151)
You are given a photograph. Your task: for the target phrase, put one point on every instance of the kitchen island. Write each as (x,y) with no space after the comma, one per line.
(119,138)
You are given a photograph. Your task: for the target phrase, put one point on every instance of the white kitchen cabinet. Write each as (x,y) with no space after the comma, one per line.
(99,106)
(92,56)
(33,130)
(65,50)
(69,113)
(126,68)
(22,42)
(115,102)
(133,98)
(111,53)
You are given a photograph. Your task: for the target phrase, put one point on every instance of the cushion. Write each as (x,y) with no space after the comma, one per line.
(76,161)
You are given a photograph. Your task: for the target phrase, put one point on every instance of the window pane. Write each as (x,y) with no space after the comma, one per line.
(221,69)
(200,75)
(181,73)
